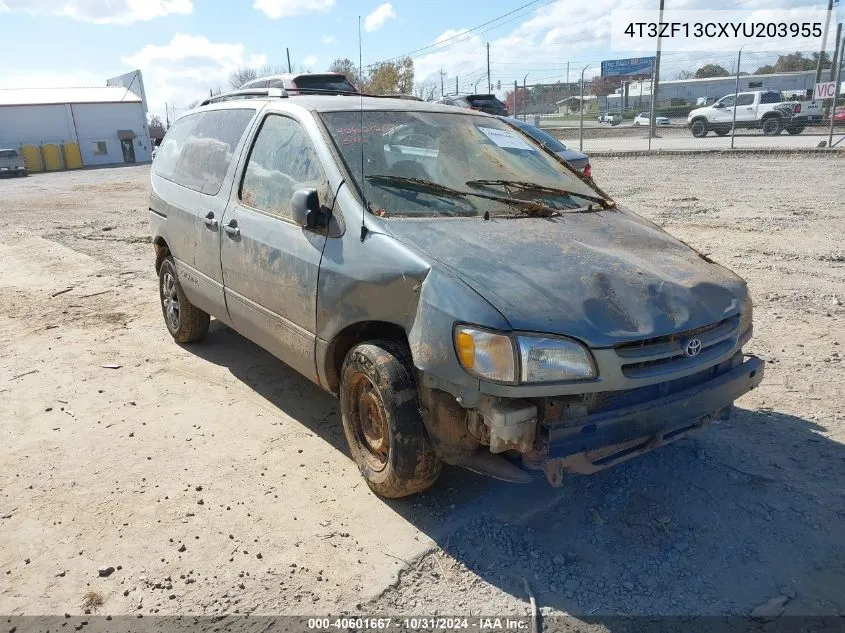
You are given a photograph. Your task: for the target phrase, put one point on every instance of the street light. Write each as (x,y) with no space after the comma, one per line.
(524,112)
(475,87)
(581,110)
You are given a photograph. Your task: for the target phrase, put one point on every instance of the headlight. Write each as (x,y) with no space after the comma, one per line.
(541,358)
(485,354)
(553,359)
(746,313)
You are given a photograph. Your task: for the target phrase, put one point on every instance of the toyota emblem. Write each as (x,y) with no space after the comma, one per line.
(693,347)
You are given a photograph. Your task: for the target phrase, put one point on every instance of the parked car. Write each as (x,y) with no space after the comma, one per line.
(12,163)
(761,109)
(484,103)
(466,296)
(303,82)
(613,119)
(644,118)
(580,162)
(839,115)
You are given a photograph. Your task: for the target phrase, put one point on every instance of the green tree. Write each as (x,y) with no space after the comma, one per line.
(711,70)
(794,62)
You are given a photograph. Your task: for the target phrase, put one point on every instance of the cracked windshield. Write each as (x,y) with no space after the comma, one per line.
(442,164)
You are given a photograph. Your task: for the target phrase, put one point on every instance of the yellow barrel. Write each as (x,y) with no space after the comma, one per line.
(71,155)
(31,158)
(52,157)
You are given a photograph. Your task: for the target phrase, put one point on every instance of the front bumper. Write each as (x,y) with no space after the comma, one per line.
(590,443)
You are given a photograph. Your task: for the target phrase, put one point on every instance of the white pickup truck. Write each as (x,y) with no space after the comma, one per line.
(761,109)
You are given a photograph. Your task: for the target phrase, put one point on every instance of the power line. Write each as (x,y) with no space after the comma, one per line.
(462,33)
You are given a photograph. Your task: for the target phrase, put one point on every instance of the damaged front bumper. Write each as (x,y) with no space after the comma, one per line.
(593,442)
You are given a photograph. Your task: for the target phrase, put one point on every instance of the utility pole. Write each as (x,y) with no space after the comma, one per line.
(836,91)
(736,92)
(456,84)
(442,88)
(833,60)
(166,116)
(287,50)
(515,95)
(655,81)
(489,84)
(824,40)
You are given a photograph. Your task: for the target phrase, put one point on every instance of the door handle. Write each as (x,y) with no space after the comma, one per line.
(232,229)
(210,222)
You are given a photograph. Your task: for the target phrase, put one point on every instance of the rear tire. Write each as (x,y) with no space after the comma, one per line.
(699,128)
(772,126)
(380,410)
(722,131)
(185,322)
(795,129)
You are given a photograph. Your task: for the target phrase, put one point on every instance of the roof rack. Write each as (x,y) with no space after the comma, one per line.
(283,93)
(247,93)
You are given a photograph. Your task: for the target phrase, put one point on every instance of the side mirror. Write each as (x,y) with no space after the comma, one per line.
(307,212)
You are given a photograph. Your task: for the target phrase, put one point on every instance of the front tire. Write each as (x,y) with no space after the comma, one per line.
(699,128)
(380,411)
(185,322)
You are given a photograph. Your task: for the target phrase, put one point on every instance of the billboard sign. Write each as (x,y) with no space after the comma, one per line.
(826,90)
(627,67)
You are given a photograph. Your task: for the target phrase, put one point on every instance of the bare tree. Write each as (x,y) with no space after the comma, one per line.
(346,67)
(244,74)
(426,90)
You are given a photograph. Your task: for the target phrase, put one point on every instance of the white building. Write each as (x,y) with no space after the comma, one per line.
(109,123)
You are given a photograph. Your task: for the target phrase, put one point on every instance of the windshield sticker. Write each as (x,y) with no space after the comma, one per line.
(505,138)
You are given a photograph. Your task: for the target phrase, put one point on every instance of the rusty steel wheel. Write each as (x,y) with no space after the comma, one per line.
(381,420)
(369,421)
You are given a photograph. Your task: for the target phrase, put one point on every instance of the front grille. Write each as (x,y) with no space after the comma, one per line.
(667,354)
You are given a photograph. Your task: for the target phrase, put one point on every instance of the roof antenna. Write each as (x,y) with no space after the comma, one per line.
(360,90)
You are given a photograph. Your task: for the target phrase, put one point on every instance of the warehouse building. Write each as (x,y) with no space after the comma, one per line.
(793,85)
(69,128)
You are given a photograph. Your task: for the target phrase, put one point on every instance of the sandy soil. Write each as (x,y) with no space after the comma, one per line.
(215,479)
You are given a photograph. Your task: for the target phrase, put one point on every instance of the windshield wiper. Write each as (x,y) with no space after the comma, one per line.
(417,184)
(531,186)
(528,206)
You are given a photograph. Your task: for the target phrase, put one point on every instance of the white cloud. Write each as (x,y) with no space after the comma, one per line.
(328,39)
(310,61)
(377,18)
(285,8)
(100,11)
(188,66)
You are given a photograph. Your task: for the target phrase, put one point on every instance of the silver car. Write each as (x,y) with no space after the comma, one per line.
(468,297)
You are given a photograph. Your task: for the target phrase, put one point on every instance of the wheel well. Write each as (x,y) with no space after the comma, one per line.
(350,336)
(162,251)
(703,119)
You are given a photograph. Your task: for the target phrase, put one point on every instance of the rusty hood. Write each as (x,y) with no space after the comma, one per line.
(602,277)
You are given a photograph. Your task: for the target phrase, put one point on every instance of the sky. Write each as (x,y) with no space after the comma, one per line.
(186,47)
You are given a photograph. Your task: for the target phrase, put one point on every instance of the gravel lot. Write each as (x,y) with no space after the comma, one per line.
(214,479)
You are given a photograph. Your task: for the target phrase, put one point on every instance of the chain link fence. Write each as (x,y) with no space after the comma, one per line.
(717,102)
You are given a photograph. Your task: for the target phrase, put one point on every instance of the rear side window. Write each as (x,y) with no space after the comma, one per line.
(282,160)
(206,147)
(484,100)
(171,146)
(769,97)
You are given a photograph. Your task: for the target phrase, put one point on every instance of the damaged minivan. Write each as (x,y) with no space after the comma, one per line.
(469,298)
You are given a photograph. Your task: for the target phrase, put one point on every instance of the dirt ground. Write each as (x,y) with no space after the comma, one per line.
(216,480)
